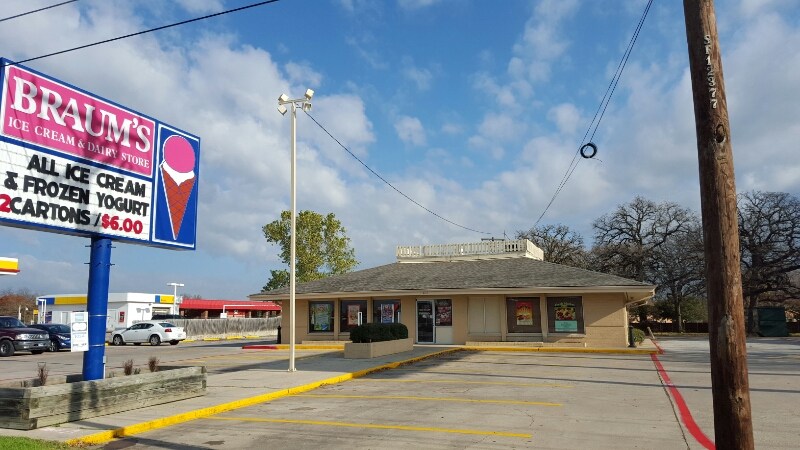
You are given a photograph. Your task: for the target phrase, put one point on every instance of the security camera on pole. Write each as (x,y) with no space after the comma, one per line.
(305,105)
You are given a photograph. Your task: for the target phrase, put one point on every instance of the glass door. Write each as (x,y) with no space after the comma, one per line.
(425,334)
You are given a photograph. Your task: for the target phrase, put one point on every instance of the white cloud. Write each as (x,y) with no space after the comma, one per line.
(420,77)
(202,6)
(452,128)
(542,40)
(303,74)
(566,117)
(410,130)
(416,4)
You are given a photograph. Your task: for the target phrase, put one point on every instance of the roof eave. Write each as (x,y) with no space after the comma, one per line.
(633,294)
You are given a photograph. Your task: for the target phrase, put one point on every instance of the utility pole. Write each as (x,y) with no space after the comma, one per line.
(733,426)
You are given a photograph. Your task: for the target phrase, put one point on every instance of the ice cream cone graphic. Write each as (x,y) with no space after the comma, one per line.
(177,170)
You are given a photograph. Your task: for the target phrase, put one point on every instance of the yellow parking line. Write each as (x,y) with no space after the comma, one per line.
(435,399)
(381,427)
(447,370)
(499,383)
(129,430)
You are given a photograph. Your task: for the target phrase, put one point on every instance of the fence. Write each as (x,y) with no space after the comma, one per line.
(672,327)
(692,327)
(224,328)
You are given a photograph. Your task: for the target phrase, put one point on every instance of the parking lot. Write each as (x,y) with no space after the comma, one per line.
(460,400)
(464,399)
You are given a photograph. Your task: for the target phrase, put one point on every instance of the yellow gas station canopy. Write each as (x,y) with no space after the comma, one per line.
(9,266)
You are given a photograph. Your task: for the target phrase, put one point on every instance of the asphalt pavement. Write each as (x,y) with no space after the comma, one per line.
(452,397)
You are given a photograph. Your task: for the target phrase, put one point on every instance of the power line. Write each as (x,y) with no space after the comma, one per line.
(37,10)
(601,110)
(390,184)
(138,33)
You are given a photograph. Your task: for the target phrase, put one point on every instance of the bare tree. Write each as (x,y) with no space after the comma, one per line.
(678,268)
(559,244)
(14,301)
(626,240)
(769,237)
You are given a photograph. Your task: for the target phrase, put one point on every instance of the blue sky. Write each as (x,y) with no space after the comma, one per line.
(472,108)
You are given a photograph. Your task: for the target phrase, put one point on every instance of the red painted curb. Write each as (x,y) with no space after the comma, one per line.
(660,350)
(259,347)
(686,415)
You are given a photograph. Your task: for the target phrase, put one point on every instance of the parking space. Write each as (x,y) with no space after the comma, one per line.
(460,400)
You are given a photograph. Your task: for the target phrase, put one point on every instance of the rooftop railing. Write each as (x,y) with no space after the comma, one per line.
(471,250)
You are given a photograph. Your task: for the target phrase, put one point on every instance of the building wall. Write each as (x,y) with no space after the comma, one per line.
(122,309)
(606,320)
(484,318)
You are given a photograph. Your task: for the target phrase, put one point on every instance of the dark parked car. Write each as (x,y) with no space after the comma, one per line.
(166,317)
(60,335)
(15,336)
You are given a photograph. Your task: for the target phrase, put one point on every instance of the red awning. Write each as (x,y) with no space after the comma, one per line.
(229,305)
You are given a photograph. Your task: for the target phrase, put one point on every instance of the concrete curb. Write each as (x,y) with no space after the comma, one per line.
(297,347)
(631,351)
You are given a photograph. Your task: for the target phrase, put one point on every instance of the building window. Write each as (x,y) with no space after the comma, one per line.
(444,313)
(352,313)
(320,317)
(522,315)
(386,311)
(565,314)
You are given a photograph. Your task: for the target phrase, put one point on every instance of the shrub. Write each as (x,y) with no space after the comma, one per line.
(42,373)
(377,332)
(638,336)
(152,364)
(127,367)
(399,331)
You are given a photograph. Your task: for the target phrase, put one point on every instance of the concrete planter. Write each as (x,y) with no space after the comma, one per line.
(27,406)
(376,349)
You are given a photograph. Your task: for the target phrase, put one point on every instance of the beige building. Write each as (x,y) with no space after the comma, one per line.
(491,291)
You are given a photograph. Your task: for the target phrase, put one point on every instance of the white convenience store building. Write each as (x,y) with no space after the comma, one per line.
(123,308)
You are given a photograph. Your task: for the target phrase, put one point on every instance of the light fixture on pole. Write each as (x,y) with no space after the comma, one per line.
(305,105)
(175,287)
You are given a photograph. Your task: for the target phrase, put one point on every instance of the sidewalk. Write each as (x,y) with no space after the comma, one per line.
(250,384)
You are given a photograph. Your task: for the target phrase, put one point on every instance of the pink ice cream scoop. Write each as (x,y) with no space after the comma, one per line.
(179,154)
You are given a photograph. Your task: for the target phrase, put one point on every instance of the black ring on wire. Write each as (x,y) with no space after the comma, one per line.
(587,155)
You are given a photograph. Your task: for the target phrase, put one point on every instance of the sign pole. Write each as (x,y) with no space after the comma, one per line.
(733,427)
(97,308)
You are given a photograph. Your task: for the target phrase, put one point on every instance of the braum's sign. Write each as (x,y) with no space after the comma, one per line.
(72,162)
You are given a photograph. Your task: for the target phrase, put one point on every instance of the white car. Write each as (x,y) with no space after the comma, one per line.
(153,331)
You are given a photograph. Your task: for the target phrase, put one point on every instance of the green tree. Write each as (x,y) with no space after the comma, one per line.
(693,309)
(322,247)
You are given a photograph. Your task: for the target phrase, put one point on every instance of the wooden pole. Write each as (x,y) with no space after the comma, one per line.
(733,427)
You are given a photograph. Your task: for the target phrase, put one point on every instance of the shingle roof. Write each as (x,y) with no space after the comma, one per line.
(461,275)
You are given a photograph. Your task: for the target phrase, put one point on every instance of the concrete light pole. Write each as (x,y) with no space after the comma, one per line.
(305,105)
